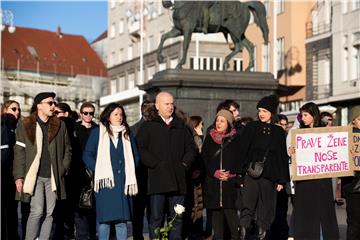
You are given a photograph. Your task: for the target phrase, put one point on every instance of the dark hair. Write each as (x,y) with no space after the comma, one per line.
(105,118)
(325,114)
(245,120)
(182,115)
(64,107)
(282,117)
(74,115)
(228,128)
(227,104)
(147,109)
(194,121)
(87,104)
(314,111)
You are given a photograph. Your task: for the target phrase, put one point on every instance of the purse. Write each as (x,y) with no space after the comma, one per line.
(256,167)
(87,193)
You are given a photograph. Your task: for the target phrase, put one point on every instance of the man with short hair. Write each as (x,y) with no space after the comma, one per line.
(167,148)
(85,219)
(42,158)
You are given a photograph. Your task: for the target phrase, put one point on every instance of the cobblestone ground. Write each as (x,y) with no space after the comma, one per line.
(340,213)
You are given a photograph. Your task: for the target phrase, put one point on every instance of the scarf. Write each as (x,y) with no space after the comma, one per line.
(104,177)
(218,136)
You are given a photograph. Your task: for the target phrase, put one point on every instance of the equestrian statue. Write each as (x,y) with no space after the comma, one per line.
(229,17)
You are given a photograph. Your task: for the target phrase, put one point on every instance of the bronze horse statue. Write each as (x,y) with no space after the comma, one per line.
(228,17)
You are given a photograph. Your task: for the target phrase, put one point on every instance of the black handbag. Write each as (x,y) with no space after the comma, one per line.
(256,167)
(87,193)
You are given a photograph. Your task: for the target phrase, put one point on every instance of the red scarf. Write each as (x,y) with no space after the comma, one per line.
(218,136)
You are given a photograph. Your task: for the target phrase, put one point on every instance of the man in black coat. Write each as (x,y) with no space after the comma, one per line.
(167,149)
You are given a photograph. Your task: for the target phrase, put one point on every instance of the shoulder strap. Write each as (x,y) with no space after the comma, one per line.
(223,146)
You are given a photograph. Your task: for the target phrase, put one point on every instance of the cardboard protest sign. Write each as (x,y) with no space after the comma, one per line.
(356,151)
(322,153)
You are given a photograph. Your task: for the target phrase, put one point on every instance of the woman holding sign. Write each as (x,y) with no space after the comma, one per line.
(314,208)
(263,148)
(351,186)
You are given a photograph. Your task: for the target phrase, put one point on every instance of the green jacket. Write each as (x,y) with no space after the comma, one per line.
(26,159)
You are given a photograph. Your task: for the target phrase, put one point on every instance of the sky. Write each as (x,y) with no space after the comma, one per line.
(87,18)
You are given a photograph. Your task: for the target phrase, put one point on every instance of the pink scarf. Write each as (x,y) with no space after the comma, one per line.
(218,136)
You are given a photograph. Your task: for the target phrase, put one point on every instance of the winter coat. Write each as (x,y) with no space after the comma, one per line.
(258,137)
(166,151)
(314,207)
(218,196)
(26,148)
(111,204)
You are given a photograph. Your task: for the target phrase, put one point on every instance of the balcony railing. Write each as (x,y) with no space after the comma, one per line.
(314,30)
(321,91)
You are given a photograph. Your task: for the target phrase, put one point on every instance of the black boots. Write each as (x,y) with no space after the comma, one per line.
(262,233)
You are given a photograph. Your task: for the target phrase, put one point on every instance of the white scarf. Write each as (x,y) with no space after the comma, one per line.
(104,177)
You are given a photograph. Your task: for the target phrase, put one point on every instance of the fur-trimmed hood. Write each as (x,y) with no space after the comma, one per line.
(30,127)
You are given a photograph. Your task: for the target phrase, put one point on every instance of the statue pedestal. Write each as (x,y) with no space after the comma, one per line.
(199,92)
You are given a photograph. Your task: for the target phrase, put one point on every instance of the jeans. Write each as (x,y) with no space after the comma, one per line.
(104,231)
(157,205)
(43,197)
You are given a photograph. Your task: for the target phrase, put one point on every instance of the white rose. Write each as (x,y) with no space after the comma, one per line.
(179,209)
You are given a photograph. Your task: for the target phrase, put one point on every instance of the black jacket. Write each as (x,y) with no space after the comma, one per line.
(212,187)
(165,151)
(255,141)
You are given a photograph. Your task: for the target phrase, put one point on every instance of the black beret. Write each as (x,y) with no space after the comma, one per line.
(41,96)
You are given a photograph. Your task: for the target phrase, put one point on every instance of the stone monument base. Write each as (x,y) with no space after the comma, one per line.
(199,92)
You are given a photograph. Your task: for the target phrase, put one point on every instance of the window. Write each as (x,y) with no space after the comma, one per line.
(356,62)
(280,53)
(162,66)
(280,6)
(130,52)
(344,5)
(121,55)
(121,26)
(112,59)
(113,86)
(121,82)
(112,30)
(238,65)
(32,50)
(345,61)
(355,4)
(131,81)
(150,43)
(150,72)
(139,78)
(266,58)
(253,69)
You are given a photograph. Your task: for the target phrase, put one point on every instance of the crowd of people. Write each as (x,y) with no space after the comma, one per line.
(67,177)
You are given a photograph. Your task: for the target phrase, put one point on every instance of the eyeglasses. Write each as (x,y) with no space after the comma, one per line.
(14,109)
(88,113)
(58,112)
(51,103)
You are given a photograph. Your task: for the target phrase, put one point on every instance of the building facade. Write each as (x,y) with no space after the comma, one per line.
(34,61)
(284,55)
(333,60)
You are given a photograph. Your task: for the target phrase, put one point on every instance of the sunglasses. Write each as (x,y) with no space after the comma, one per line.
(88,113)
(14,109)
(51,103)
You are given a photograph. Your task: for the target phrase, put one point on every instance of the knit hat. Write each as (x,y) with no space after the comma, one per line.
(354,112)
(270,103)
(41,96)
(227,115)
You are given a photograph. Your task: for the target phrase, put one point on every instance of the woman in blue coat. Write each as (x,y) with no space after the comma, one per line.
(112,154)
